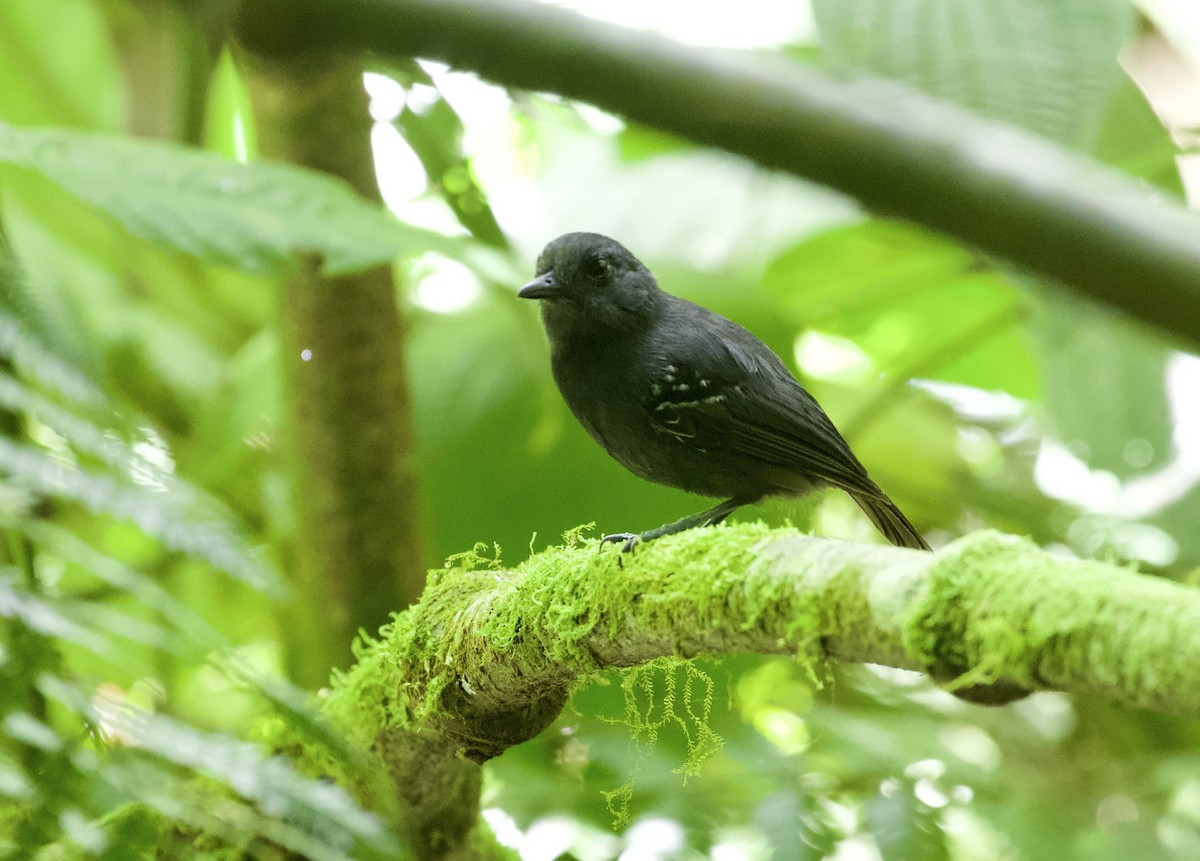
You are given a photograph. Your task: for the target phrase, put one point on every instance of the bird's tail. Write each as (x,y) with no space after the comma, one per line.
(891,521)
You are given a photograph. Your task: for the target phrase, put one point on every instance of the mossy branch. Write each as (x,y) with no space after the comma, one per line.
(1004,191)
(489,656)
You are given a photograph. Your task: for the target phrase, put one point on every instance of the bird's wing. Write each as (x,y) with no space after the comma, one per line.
(728,392)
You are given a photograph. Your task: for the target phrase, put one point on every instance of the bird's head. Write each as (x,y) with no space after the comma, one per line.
(589,283)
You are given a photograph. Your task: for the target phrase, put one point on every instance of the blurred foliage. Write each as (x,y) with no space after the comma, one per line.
(249,218)
(146,509)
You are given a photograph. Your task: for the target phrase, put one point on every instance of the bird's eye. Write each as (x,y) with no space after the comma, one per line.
(597,268)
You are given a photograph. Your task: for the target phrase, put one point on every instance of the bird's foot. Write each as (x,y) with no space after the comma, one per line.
(627,540)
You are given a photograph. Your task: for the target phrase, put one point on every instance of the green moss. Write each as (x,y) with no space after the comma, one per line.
(960,629)
(812,591)
(659,695)
(997,607)
(488,656)
(477,621)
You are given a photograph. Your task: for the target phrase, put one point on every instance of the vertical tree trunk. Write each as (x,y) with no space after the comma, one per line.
(167,51)
(357,554)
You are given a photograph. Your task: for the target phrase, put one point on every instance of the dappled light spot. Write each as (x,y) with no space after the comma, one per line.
(827,356)
(387,97)
(653,839)
(971,744)
(400,173)
(443,285)
(1139,453)
(1114,810)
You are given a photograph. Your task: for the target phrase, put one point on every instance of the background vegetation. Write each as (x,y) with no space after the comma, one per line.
(225,448)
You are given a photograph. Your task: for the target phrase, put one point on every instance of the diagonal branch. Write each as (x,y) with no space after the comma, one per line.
(902,154)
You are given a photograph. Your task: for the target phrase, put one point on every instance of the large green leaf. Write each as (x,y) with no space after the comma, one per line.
(312,817)
(1105,386)
(1104,375)
(250,217)
(916,304)
(1134,140)
(1049,67)
(435,134)
(1052,68)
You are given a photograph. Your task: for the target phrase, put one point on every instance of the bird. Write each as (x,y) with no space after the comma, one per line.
(681,396)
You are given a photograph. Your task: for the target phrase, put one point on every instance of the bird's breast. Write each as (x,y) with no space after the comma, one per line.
(613,393)
(603,388)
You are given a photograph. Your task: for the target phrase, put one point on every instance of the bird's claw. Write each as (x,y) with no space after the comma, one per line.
(627,540)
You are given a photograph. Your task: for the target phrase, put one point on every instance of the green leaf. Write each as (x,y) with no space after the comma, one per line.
(166,511)
(33,343)
(1047,67)
(1105,386)
(793,824)
(47,76)
(435,135)
(1179,522)
(314,818)
(916,304)
(44,618)
(905,828)
(179,619)
(639,143)
(250,217)
(1134,140)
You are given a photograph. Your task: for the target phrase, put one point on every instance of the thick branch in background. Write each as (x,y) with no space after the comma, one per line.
(1004,191)
(489,657)
(357,542)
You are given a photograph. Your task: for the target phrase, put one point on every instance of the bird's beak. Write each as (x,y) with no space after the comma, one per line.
(542,287)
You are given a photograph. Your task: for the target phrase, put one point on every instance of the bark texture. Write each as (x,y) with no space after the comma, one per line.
(357,549)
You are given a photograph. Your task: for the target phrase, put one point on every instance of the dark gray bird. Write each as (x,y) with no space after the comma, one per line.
(683,397)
